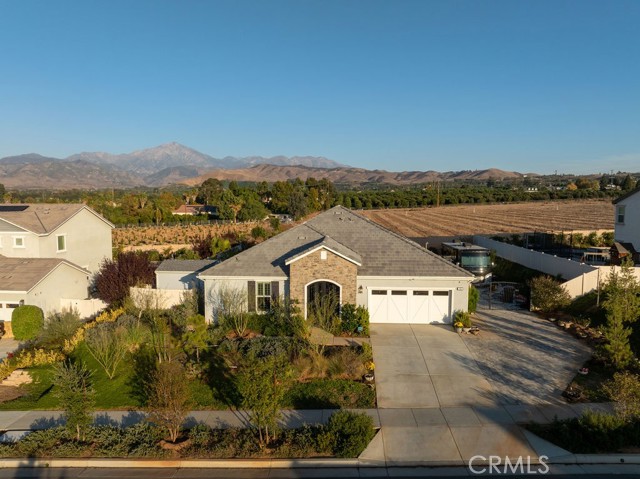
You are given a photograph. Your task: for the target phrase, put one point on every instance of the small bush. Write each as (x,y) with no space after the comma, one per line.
(284,319)
(26,322)
(58,328)
(463,317)
(259,232)
(624,390)
(474,297)
(354,319)
(349,433)
(548,295)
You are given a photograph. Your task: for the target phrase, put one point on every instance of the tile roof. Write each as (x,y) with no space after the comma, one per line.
(41,218)
(382,252)
(185,265)
(22,274)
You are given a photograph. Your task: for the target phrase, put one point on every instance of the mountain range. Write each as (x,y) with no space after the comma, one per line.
(173,163)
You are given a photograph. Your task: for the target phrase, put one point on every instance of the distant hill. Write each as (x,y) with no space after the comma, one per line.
(271,173)
(174,155)
(162,165)
(60,174)
(173,163)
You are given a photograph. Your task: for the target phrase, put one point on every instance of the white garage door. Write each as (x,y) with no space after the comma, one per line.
(393,305)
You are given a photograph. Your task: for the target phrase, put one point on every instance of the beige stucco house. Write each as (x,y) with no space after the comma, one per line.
(71,232)
(49,254)
(340,252)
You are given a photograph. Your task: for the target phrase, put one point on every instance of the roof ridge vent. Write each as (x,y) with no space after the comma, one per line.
(302,237)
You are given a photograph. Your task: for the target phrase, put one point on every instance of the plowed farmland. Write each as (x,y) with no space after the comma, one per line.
(497,218)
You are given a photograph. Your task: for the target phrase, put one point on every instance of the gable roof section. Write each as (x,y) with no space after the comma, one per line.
(626,195)
(185,265)
(44,218)
(23,274)
(381,252)
(332,245)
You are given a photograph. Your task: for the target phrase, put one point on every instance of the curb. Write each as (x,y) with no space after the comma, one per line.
(578,459)
(182,464)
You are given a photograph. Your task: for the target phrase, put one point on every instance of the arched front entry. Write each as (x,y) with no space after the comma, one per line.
(323,294)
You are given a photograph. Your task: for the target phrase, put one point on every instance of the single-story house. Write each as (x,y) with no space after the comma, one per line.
(194,210)
(181,273)
(343,253)
(41,282)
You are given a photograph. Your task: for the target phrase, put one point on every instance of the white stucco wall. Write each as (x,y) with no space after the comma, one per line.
(629,231)
(88,241)
(212,287)
(63,282)
(31,243)
(176,280)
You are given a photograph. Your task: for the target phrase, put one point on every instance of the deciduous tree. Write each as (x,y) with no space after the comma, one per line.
(116,277)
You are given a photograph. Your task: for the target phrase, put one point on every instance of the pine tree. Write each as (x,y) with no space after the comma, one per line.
(623,307)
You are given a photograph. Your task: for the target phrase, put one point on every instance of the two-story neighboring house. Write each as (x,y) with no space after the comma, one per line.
(49,253)
(627,227)
(71,232)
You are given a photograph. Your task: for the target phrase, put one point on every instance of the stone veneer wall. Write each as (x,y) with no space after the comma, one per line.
(311,268)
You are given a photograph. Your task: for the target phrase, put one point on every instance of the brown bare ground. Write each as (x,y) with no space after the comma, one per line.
(460,220)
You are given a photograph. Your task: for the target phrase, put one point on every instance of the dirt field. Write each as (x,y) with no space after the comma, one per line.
(459,220)
(168,236)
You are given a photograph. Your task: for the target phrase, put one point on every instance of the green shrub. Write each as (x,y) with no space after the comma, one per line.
(354,320)
(259,232)
(349,433)
(548,295)
(474,297)
(26,322)
(284,319)
(366,352)
(58,327)
(593,433)
(463,317)
(330,394)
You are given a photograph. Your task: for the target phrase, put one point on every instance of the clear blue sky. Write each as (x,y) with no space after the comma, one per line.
(531,86)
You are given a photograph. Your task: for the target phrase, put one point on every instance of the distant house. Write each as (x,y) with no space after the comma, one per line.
(181,273)
(627,227)
(195,210)
(341,253)
(41,282)
(70,232)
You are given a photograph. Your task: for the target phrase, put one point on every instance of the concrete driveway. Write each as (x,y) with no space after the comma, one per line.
(424,366)
(435,405)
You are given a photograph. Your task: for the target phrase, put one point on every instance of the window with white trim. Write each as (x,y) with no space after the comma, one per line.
(18,242)
(61,243)
(263,296)
(620,214)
